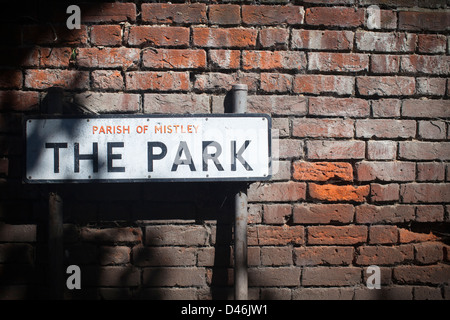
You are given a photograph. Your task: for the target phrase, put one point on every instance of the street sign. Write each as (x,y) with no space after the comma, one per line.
(145,148)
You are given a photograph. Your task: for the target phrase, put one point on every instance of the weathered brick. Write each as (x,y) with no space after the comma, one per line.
(322,39)
(381,150)
(322,213)
(328,149)
(435,274)
(346,107)
(290,148)
(429,213)
(276,82)
(47,78)
(176,103)
(113,235)
(277,213)
(432,130)
(428,252)
(174,277)
(322,171)
(158,235)
(157,36)
(55,57)
(383,128)
(431,43)
(334,16)
(174,59)
(278,105)
(108,12)
(386,108)
(430,171)
(418,150)
(406,236)
(327,255)
(386,171)
(124,58)
(43,34)
(338,62)
(272,15)
(221,37)
(160,81)
(110,276)
(278,191)
(380,19)
(386,86)
(113,255)
(225,59)
(425,108)
(274,38)
(331,192)
(379,255)
(384,192)
(331,276)
(416,20)
(106,35)
(385,42)
(425,192)
(384,214)
(276,256)
(108,102)
(163,256)
(431,86)
(224,14)
(331,128)
(383,234)
(174,13)
(107,80)
(16,100)
(342,235)
(276,276)
(17,232)
(382,63)
(268,60)
(280,235)
(319,84)
(439,65)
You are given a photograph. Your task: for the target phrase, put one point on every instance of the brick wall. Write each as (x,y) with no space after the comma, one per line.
(362,109)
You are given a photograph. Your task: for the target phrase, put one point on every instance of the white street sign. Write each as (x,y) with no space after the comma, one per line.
(148,148)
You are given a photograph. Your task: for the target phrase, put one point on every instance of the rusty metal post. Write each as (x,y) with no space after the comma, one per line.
(239,105)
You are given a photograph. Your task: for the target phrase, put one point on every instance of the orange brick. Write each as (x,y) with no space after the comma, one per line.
(322,171)
(331,192)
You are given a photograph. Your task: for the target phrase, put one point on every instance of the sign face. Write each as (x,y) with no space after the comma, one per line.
(148,148)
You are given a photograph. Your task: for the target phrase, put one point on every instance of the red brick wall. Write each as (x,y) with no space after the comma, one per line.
(363,119)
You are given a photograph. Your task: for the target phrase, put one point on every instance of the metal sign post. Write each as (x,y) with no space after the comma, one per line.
(151,148)
(239,105)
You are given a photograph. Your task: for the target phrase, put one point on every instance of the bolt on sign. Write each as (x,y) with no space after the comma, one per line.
(148,148)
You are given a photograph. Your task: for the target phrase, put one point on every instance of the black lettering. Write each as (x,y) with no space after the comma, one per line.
(78,157)
(112,156)
(152,156)
(238,155)
(56,147)
(178,161)
(211,156)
